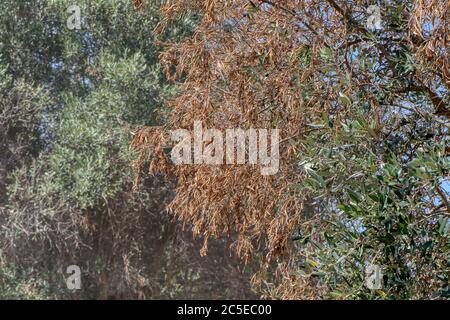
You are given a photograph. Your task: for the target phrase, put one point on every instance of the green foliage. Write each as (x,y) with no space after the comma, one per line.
(14,288)
(87,163)
(70,100)
(376,205)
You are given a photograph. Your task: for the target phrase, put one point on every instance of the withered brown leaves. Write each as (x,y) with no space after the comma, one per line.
(261,64)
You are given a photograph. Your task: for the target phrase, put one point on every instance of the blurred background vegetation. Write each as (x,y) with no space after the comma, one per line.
(69,102)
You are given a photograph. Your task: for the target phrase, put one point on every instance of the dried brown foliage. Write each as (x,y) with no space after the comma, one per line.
(428,37)
(259,64)
(430,43)
(138,4)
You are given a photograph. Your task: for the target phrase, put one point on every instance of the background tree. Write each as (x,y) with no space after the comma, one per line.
(70,100)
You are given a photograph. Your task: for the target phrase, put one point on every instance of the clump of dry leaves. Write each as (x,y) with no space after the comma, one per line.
(260,64)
